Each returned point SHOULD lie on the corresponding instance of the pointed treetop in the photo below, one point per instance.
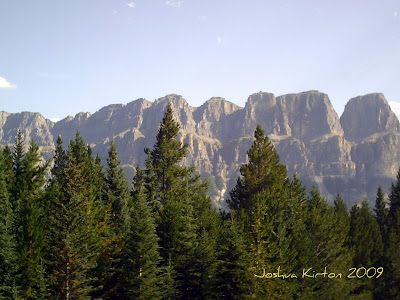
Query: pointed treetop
(262, 172)
(340, 205)
(168, 151)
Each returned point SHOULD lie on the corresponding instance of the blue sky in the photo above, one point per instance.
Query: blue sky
(63, 57)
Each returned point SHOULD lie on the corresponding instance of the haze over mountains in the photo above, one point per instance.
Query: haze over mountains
(351, 155)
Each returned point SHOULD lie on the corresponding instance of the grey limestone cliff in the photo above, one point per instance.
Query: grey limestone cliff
(351, 155)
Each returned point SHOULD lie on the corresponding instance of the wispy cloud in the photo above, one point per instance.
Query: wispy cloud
(395, 106)
(395, 14)
(131, 4)
(219, 40)
(4, 84)
(174, 3)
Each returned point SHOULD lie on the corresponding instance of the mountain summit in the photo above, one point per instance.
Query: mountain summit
(352, 155)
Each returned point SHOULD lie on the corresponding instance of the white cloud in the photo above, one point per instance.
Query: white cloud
(55, 120)
(396, 14)
(219, 40)
(395, 106)
(131, 4)
(4, 84)
(174, 3)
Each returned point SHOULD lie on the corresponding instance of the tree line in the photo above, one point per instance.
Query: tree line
(71, 230)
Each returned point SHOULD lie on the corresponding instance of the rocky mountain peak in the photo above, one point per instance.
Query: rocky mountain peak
(177, 101)
(306, 115)
(262, 108)
(366, 115)
(210, 118)
(182, 110)
(304, 127)
(213, 109)
(310, 115)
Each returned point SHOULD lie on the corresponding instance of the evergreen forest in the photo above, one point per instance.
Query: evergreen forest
(73, 229)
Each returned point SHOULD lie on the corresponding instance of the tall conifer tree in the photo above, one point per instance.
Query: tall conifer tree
(27, 195)
(381, 212)
(140, 273)
(179, 204)
(116, 200)
(8, 253)
(390, 286)
(118, 195)
(77, 238)
(270, 208)
(366, 242)
(261, 172)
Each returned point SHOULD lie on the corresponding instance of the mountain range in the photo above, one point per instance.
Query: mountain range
(351, 155)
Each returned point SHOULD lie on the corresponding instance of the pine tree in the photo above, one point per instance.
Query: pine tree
(17, 157)
(261, 172)
(76, 224)
(381, 212)
(140, 273)
(118, 195)
(270, 208)
(366, 241)
(27, 195)
(51, 208)
(394, 199)
(116, 200)
(389, 287)
(324, 245)
(8, 253)
(183, 213)
(60, 159)
(8, 167)
(162, 165)
(232, 276)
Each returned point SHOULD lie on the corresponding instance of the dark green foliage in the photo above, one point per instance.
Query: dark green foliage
(60, 159)
(184, 216)
(8, 166)
(366, 241)
(261, 172)
(232, 275)
(389, 286)
(394, 200)
(84, 235)
(27, 193)
(340, 208)
(117, 193)
(117, 200)
(327, 228)
(140, 274)
(381, 212)
(78, 222)
(270, 208)
(17, 156)
(8, 253)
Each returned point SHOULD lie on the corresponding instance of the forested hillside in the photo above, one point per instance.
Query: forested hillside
(71, 229)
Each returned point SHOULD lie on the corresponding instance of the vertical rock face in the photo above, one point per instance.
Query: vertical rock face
(32, 125)
(374, 130)
(264, 108)
(351, 155)
(367, 115)
(210, 118)
(310, 115)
